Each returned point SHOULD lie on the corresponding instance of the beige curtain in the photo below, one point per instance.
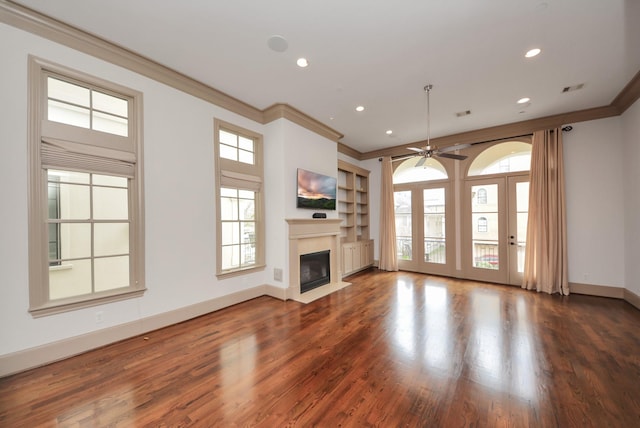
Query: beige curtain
(388, 254)
(545, 263)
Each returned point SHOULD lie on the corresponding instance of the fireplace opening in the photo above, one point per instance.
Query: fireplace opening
(314, 270)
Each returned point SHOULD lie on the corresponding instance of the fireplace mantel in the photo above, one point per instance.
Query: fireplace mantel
(308, 236)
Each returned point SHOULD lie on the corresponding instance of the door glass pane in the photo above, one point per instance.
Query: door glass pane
(484, 224)
(522, 216)
(434, 226)
(402, 205)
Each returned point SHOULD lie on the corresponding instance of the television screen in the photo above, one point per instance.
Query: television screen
(316, 191)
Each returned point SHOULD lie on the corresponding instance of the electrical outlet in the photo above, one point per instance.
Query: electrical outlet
(277, 274)
(99, 317)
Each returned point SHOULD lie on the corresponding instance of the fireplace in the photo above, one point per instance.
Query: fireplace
(315, 270)
(320, 239)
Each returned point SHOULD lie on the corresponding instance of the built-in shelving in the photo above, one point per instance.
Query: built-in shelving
(353, 210)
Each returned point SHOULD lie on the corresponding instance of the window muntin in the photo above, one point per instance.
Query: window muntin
(93, 225)
(237, 216)
(86, 191)
(73, 104)
(236, 147)
(240, 208)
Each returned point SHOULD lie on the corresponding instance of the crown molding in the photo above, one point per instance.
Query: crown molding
(499, 132)
(278, 111)
(29, 20)
(344, 149)
(629, 95)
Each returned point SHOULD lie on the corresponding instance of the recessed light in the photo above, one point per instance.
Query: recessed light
(524, 100)
(533, 52)
(360, 108)
(389, 132)
(302, 62)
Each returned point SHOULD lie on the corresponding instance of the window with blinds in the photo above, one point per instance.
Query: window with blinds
(240, 208)
(86, 204)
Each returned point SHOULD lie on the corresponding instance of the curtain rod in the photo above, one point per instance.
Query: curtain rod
(408, 155)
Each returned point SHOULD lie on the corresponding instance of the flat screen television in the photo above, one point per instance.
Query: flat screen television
(316, 191)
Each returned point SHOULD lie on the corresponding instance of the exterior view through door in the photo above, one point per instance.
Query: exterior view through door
(467, 218)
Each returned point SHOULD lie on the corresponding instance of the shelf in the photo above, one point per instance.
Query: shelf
(353, 201)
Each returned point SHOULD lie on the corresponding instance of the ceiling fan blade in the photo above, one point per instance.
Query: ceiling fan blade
(402, 157)
(421, 161)
(451, 156)
(415, 149)
(453, 148)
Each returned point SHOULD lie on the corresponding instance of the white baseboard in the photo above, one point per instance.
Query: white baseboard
(275, 292)
(632, 298)
(59, 350)
(596, 290)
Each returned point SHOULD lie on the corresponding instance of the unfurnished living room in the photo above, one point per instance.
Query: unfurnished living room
(320, 213)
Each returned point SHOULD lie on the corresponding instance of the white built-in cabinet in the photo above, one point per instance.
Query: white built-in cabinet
(353, 209)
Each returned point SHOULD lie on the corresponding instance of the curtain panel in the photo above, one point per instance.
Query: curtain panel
(388, 254)
(545, 265)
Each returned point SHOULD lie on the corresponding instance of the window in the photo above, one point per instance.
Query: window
(512, 156)
(85, 214)
(240, 207)
(483, 224)
(407, 172)
(482, 196)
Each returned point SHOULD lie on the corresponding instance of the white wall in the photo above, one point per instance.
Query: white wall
(631, 141)
(593, 158)
(180, 205)
(596, 229)
(179, 196)
(290, 147)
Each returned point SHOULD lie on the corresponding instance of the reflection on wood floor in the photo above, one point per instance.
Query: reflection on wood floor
(393, 349)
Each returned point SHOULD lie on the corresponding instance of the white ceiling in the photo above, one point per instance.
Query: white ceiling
(381, 53)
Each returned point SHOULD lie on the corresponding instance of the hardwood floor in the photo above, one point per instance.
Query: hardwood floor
(393, 349)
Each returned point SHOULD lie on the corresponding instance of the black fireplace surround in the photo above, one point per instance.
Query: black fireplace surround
(315, 270)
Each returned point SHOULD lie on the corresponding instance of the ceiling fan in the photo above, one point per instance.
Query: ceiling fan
(430, 151)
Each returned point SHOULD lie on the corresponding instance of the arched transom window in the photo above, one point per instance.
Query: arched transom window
(511, 156)
(408, 172)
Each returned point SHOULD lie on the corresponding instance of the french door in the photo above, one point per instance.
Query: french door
(495, 227)
(424, 228)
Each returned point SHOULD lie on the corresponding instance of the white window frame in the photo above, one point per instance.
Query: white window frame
(83, 143)
(240, 175)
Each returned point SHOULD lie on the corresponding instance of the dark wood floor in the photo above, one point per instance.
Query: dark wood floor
(393, 349)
